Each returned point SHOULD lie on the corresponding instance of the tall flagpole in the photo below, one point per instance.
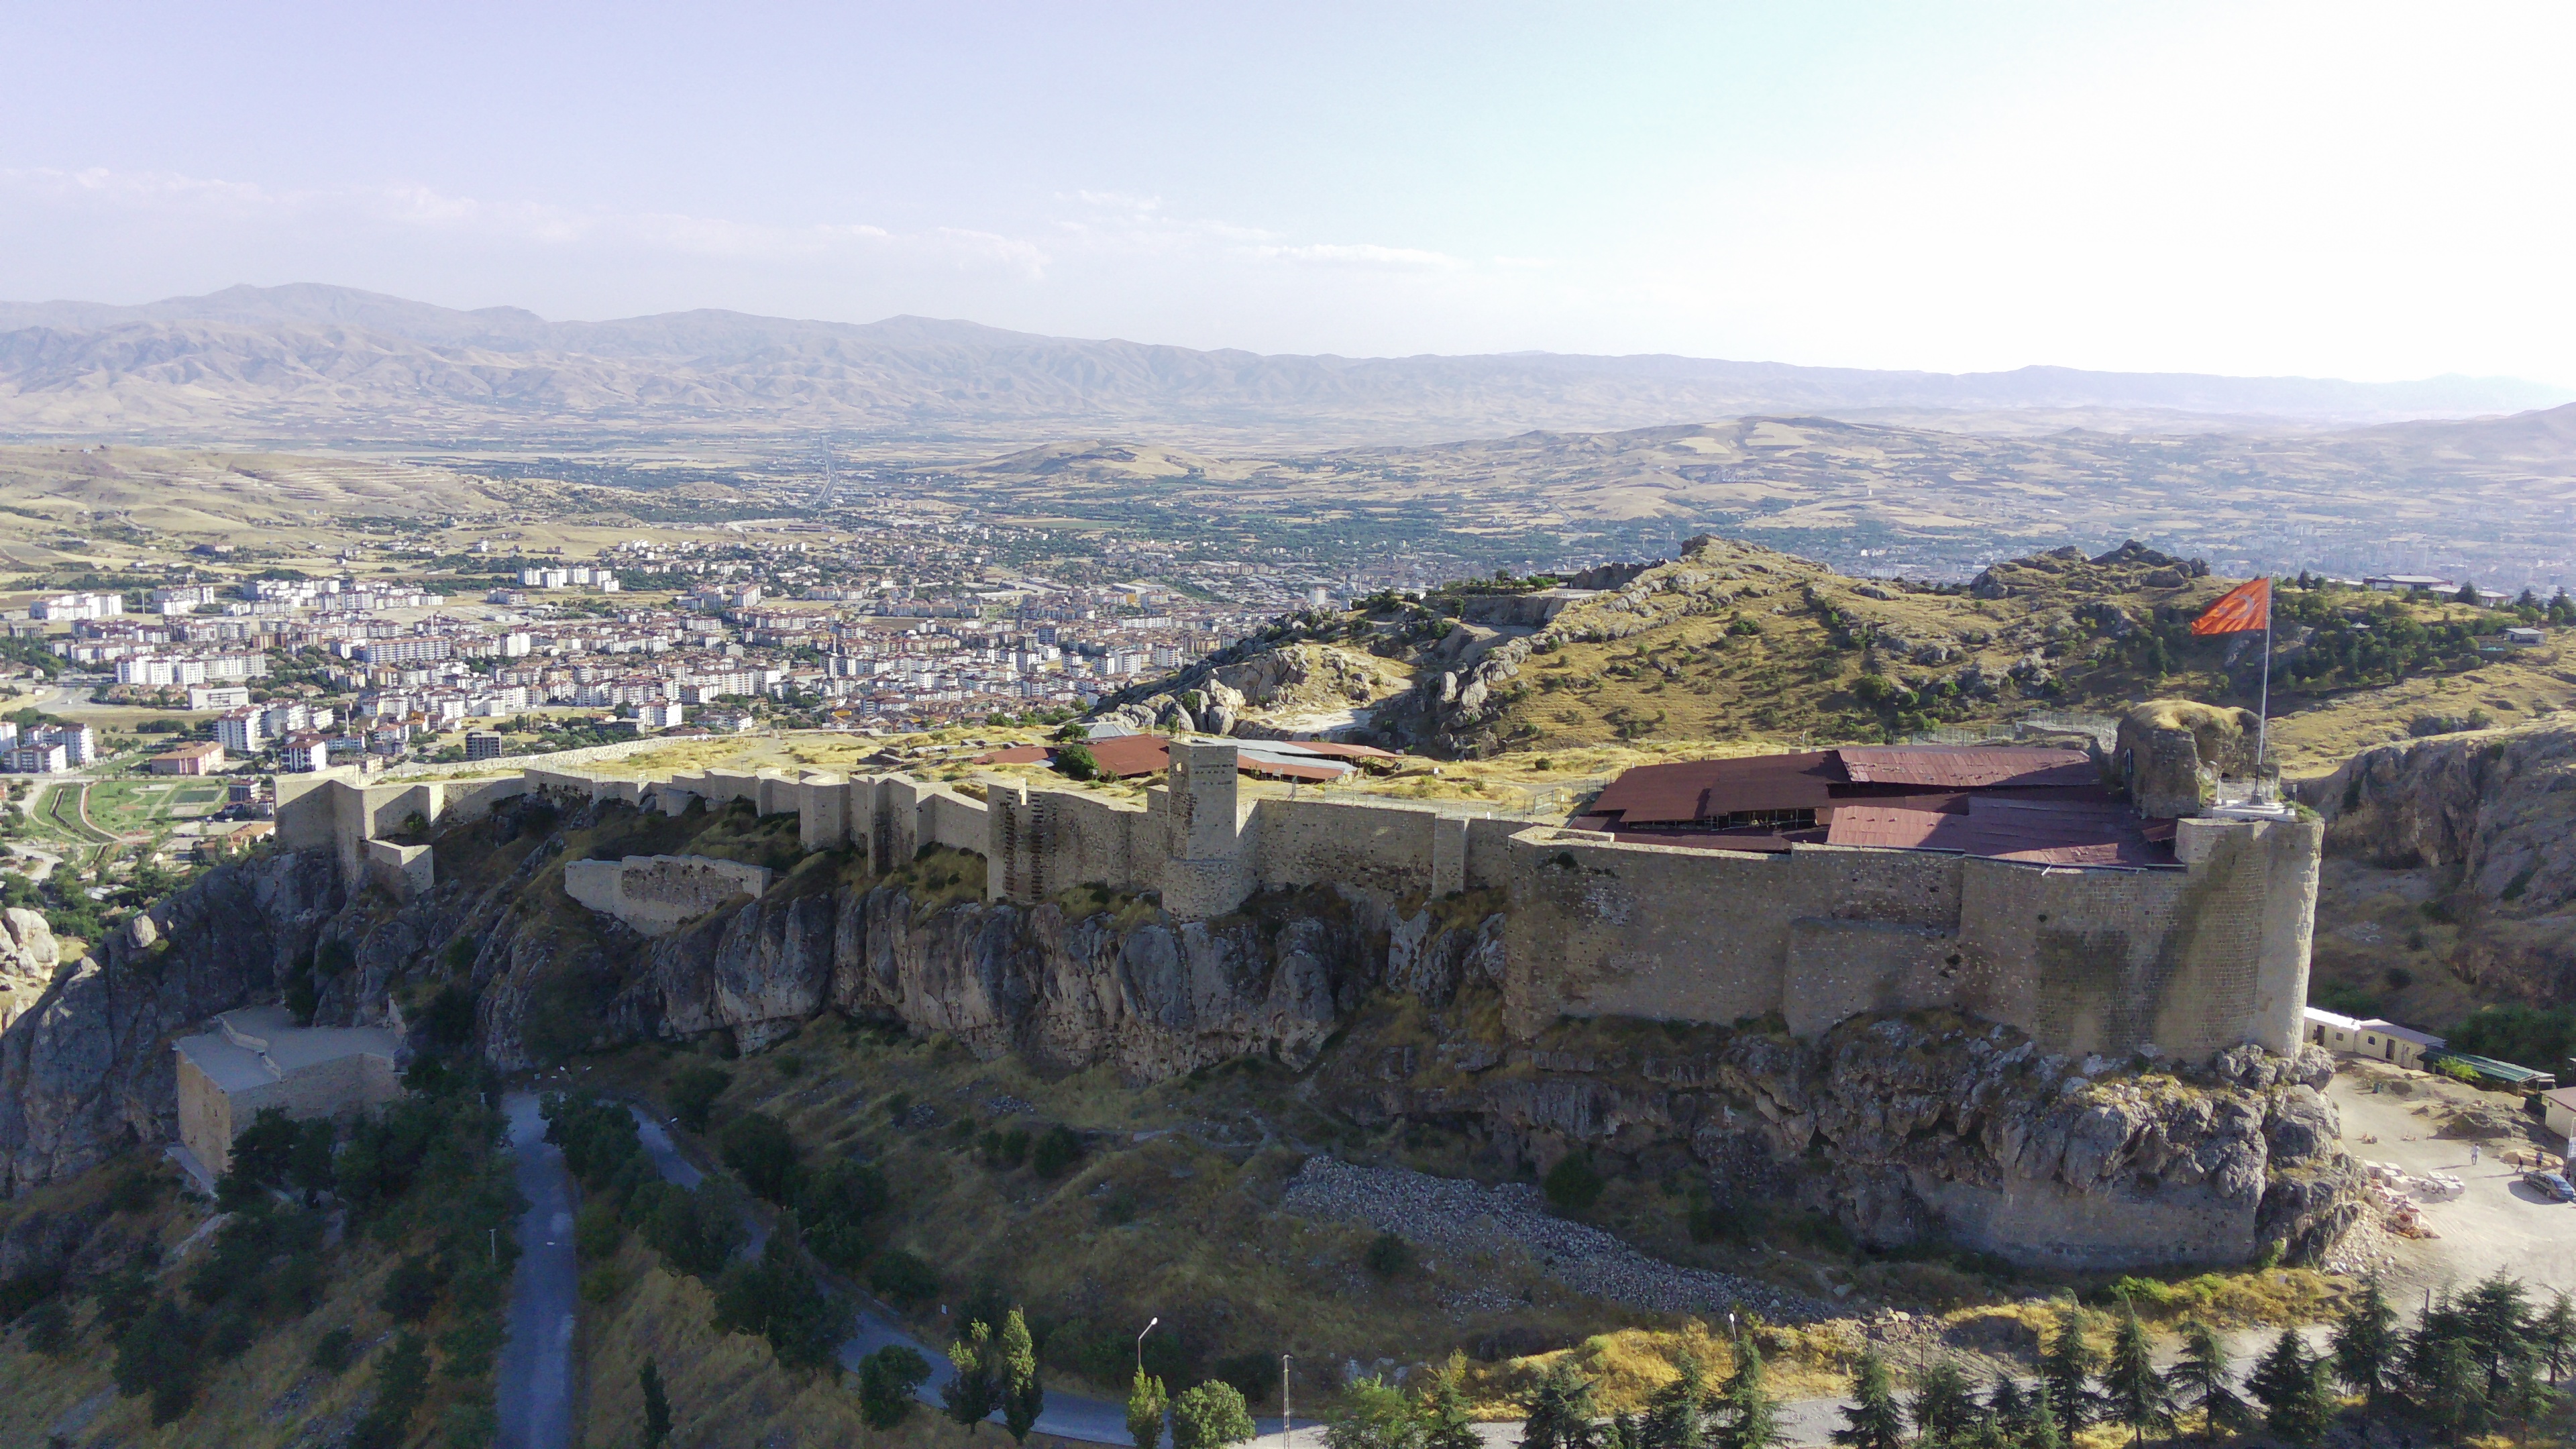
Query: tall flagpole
(2263, 710)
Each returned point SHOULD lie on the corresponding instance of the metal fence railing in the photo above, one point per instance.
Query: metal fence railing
(2103, 729)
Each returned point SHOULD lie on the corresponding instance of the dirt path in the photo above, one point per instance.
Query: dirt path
(2497, 1225)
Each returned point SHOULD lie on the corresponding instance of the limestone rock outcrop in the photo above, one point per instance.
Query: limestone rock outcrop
(2492, 815)
(1905, 1128)
(86, 1070)
(2171, 754)
(28, 959)
(1940, 1128)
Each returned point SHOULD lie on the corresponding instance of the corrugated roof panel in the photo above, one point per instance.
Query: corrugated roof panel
(1967, 767)
(1692, 789)
(2043, 832)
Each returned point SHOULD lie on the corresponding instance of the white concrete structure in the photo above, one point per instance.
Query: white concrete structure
(2380, 1040)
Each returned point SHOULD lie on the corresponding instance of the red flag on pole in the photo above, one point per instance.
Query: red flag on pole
(2243, 609)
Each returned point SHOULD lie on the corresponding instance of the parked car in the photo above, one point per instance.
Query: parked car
(2557, 1187)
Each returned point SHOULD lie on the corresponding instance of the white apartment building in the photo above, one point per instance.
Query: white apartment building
(78, 606)
(242, 731)
(39, 760)
(78, 742)
(217, 696)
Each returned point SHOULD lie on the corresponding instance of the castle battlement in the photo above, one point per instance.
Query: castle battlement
(2188, 959)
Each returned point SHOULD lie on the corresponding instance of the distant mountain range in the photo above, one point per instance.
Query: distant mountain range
(332, 364)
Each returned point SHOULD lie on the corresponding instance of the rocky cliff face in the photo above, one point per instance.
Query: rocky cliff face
(1903, 1128)
(86, 1070)
(28, 960)
(1928, 1127)
(2491, 817)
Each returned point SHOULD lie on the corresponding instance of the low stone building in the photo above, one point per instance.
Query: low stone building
(257, 1057)
(2348, 1036)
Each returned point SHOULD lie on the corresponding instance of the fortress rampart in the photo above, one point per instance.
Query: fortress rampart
(2189, 960)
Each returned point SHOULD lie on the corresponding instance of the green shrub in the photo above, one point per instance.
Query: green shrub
(760, 1148)
(887, 1379)
(1388, 1255)
(333, 1352)
(2541, 1038)
(902, 1278)
(694, 1089)
(1057, 1150)
(1210, 1416)
(1572, 1186)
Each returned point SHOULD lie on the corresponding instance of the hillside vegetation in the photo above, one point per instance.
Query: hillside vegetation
(1737, 643)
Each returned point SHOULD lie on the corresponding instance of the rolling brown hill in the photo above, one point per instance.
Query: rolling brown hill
(316, 362)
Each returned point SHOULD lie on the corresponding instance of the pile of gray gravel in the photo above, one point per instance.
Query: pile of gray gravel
(1457, 1220)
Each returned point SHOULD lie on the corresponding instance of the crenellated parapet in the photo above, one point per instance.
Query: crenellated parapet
(2186, 960)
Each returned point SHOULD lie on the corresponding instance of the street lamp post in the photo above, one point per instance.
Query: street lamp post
(1284, 1417)
(1140, 1343)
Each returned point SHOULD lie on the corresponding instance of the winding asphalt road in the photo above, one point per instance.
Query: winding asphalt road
(533, 1391)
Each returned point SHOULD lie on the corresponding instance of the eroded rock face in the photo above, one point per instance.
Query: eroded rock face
(86, 1071)
(1925, 1127)
(2492, 817)
(1942, 1128)
(28, 960)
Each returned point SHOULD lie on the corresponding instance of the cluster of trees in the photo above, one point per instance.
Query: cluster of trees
(2470, 1363)
(2539, 1037)
(995, 1371)
(425, 1172)
(827, 1212)
(1688, 1413)
(1209, 1416)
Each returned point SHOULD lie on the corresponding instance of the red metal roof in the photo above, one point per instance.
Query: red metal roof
(1967, 767)
(2043, 832)
(1127, 756)
(1692, 789)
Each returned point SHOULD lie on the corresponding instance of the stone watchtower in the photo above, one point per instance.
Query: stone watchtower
(1206, 873)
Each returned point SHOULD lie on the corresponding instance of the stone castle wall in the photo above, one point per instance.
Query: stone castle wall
(2186, 961)
(658, 894)
(2189, 961)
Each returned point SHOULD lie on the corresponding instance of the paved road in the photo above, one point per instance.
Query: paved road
(534, 1389)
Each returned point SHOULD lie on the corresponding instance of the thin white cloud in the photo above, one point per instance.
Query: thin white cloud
(426, 209)
(1363, 254)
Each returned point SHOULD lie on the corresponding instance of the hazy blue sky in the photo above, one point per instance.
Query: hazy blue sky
(2341, 189)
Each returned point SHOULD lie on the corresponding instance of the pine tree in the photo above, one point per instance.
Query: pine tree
(1676, 1414)
(2291, 1388)
(2497, 1319)
(1559, 1414)
(2442, 1372)
(2066, 1372)
(2554, 1334)
(1748, 1417)
(2365, 1344)
(1872, 1420)
(657, 1406)
(2006, 1406)
(2039, 1429)
(2201, 1380)
(1944, 1409)
(2527, 1395)
(1023, 1395)
(1146, 1402)
(2137, 1394)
